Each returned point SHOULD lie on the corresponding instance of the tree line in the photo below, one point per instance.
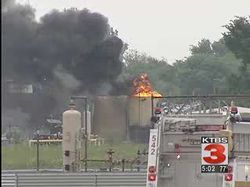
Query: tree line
(219, 67)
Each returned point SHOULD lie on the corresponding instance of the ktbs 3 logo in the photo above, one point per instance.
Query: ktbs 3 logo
(214, 150)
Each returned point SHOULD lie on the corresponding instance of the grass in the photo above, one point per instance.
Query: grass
(21, 156)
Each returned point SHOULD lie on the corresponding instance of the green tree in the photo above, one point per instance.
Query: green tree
(211, 68)
(237, 38)
(203, 47)
(219, 48)
(207, 70)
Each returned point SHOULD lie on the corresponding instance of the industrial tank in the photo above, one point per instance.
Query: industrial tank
(140, 110)
(71, 132)
(110, 117)
(139, 117)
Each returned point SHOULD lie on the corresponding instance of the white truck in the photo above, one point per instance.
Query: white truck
(174, 156)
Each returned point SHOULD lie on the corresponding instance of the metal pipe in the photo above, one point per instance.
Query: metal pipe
(86, 134)
(139, 102)
(37, 150)
(86, 128)
(123, 165)
(219, 107)
(152, 105)
(95, 160)
(138, 162)
(95, 180)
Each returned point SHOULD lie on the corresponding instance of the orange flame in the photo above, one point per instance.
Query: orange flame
(143, 87)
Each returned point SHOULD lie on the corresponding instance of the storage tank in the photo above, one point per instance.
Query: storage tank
(139, 117)
(71, 140)
(110, 117)
(140, 110)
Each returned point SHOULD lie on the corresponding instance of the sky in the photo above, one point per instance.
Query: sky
(160, 28)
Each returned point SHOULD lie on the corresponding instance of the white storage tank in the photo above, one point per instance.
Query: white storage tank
(71, 140)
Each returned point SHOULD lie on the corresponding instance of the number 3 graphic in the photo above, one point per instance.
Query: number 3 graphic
(218, 153)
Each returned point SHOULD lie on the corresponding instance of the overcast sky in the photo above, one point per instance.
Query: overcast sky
(161, 28)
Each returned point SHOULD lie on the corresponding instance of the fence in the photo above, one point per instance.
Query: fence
(74, 179)
(8, 180)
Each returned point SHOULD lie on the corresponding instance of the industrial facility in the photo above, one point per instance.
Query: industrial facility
(180, 127)
(113, 118)
(105, 93)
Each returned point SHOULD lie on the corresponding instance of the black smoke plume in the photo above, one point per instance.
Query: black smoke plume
(69, 52)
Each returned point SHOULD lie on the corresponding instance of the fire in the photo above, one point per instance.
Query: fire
(143, 87)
